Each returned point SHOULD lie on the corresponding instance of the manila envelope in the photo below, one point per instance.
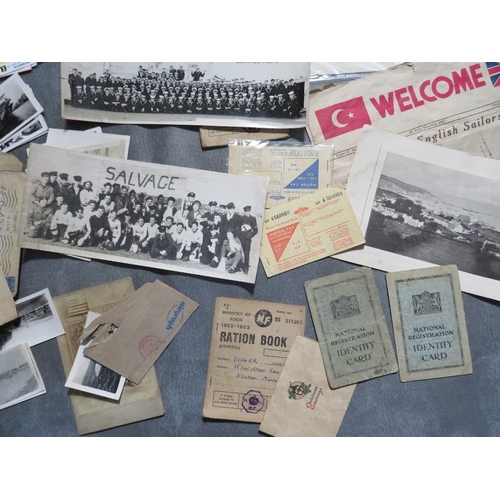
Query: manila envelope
(8, 310)
(212, 137)
(12, 181)
(92, 413)
(308, 229)
(303, 405)
(129, 338)
(250, 342)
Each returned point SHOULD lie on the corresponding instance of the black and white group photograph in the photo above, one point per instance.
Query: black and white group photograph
(37, 322)
(222, 94)
(151, 215)
(18, 107)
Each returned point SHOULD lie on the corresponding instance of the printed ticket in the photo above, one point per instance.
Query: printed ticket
(293, 171)
(308, 229)
(250, 343)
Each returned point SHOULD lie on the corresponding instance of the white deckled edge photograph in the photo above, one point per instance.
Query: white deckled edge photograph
(37, 321)
(20, 378)
(88, 376)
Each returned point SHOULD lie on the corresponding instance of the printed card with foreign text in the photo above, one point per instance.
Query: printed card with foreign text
(429, 323)
(293, 171)
(302, 404)
(308, 229)
(250, 342)
(351, 327)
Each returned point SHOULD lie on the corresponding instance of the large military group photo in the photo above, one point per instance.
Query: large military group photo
(185, 91)
(200, 231)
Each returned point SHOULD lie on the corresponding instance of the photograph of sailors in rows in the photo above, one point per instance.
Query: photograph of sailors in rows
(172, 91)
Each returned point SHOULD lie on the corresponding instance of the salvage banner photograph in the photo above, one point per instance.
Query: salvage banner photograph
(160, 216)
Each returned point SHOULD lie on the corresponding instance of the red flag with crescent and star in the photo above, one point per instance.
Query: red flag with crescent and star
(343, 117)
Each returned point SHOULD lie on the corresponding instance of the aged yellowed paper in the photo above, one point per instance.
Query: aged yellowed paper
(93, 414)
(434, 102)
(11, 200)
(308, 229)
(293, 171)
(8, 311)
(302, 403)
(212, 137)
(143, 325)
(250, 343)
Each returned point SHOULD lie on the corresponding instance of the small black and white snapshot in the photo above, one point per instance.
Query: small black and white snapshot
(37, 322)
(19, 376)
(88, 376)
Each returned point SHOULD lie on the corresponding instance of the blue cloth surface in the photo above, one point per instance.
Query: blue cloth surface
(457, 406)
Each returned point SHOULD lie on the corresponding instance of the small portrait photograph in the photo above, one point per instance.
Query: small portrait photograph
(88, 376)
(37, 322)
(19, 376)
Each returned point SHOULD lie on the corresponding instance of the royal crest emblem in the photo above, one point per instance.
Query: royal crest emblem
(426, 303)
(345, 307)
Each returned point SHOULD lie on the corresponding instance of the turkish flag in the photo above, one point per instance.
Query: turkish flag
(343, 117)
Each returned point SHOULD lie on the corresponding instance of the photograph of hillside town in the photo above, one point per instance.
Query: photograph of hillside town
(418, 212)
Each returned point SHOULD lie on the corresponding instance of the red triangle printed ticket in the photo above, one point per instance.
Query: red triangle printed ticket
(280, 238)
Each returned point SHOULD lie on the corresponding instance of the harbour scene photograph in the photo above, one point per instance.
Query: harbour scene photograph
(437, 215)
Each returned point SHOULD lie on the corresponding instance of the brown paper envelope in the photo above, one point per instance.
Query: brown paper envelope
(12, 182)
(146, 323)
(93, 414)
(9, 163)
(303, 403)
(115, 315)
(8, 311)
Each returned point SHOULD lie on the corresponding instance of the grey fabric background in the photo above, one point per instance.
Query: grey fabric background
(458, 406)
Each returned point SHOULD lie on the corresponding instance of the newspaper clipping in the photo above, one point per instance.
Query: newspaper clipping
(431, 102)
